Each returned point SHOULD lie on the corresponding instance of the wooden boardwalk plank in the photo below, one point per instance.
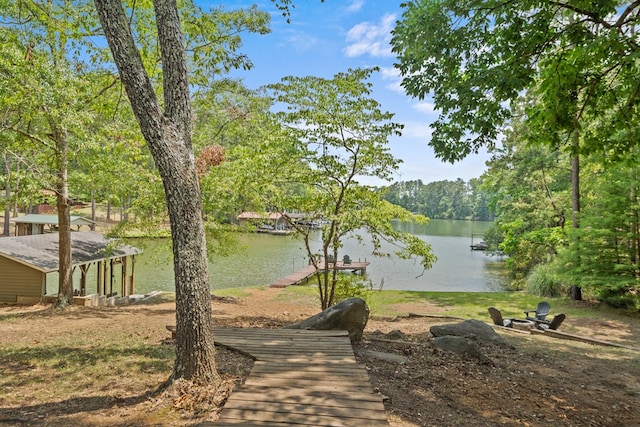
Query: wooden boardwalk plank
(328, 386)
(303, 378)
(317, 372)
(309, 397)
(345, 411)
(307, 368)
(279, 333)
(314, 417)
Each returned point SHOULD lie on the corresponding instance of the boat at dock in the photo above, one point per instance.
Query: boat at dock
(480, 246)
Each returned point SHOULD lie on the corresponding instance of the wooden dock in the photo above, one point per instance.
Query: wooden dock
(304, 274)
(300, 377)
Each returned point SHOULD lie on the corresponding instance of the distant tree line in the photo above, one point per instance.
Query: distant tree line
(442, 199)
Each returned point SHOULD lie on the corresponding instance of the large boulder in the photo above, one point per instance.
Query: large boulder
(465, 337)
(349, 315)
(474, 329)
(460, 345)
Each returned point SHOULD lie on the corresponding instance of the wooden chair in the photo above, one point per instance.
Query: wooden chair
(346, 260)
(496, 316)
(541, 312)
(553, 324)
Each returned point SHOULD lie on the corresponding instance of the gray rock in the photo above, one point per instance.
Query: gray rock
(474, 329)
(387, 357)
(349, 315)
(460, 345)
(396, 335)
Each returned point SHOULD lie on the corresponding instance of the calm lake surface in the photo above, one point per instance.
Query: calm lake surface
(268, 257)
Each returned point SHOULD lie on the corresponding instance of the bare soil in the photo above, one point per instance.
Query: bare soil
(538, 381)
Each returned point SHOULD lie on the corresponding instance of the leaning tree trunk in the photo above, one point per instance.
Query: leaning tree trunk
(194, 328)
(168, 135)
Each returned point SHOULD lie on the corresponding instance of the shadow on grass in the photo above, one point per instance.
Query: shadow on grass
(79, 312)
(37, 414)
(70, 367)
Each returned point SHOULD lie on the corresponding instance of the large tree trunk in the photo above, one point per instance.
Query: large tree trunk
(168, 136)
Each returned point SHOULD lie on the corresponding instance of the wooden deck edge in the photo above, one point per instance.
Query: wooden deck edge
(507, 329)
(573, 337)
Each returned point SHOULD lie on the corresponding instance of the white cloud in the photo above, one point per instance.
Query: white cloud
(392, 76)
(425, 107)
(395, 86)
(418, 130)
(371, 39)
(300, 41)
(390, 73)
(354, 6)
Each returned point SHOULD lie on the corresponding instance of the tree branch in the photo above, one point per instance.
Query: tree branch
(132, 72)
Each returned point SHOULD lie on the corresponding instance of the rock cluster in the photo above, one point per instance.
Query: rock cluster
(350, 315)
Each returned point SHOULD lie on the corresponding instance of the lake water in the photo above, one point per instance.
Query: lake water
(268, 257)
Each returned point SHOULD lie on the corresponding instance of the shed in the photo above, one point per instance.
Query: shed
(270, 220)
(25, 262)
(38, 224)
(252, 217)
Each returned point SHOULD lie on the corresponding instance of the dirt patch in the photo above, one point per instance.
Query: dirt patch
(536, 381)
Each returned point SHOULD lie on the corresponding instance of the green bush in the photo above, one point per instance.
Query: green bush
(544, 281)
(351, 286)
(617, 299)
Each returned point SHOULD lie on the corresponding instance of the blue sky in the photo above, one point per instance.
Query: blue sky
(323, 39)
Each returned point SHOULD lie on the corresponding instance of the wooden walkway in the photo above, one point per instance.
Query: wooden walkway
(300, 377)
(303, 275)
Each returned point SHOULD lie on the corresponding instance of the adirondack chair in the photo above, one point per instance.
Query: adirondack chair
(541, 312)
(346, 260)
(553, 324)
(540, 317)
(496, 316)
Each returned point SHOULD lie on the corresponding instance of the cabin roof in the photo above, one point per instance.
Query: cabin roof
(257, 215)
(270, 215)
(40, 251)
(50, 219)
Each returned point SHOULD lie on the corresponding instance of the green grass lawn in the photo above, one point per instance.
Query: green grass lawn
(466, 305)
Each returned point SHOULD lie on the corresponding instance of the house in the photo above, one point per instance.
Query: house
(28, 225)
(25, 262)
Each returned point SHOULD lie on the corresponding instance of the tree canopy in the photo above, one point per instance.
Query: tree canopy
(341, 136)
(475, 58)
(311, 156)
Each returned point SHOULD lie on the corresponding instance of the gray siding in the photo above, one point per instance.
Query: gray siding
(18, 279)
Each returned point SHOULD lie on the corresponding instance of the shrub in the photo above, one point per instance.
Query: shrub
(350, 286)
(617, 299)
(544, 281)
